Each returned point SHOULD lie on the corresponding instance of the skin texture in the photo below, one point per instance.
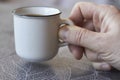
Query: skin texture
(96, 34)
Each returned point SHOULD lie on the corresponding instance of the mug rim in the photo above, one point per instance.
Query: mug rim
(25, 16)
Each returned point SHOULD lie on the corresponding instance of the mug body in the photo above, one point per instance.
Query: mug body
(36, 37)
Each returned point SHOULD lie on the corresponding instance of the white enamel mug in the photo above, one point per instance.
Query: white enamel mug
(36, 32)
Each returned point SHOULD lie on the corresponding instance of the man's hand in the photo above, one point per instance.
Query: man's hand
(96, 33)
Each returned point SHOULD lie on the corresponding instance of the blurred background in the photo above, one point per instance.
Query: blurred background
(64, 5)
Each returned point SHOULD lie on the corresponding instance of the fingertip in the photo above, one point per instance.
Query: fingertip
(102, 66)
(77, 55)
(106, 67)
(77, 51)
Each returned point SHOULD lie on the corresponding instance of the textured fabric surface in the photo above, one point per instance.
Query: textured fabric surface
(62, 67)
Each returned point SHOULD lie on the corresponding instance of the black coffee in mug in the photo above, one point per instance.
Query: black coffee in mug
(33, 15)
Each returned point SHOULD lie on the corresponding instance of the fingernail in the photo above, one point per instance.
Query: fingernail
(63, 33)
(105, 67)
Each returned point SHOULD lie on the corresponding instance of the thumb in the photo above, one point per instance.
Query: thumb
(82, 37)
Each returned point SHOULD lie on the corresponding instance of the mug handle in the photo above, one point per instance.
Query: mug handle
(62, 24)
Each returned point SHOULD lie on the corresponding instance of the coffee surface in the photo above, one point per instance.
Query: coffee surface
(33, 15)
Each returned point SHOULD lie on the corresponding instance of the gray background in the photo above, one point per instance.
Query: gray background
(62, 67)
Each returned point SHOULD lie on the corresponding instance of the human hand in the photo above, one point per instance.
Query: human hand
(96, 33)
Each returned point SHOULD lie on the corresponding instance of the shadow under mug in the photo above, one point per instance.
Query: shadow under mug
(36, 32)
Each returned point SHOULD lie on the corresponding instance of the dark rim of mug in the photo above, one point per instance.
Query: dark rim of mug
(14, 12)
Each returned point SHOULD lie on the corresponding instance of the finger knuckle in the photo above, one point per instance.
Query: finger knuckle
(91, 58)
(95, 58)
(84, 3)
(74, 36)
(113, 7)
(80, 35)
(109, 8)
